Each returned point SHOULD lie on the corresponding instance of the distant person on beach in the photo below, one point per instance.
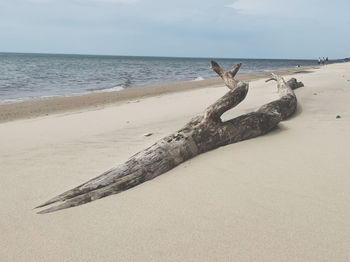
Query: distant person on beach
(319, 60)
(323, 60)
(326, 59)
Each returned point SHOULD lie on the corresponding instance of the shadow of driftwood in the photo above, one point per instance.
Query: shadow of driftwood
(277, 130)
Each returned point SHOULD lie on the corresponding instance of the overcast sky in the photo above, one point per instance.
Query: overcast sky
(197, 28)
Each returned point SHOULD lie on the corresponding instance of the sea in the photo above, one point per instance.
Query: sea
(38, 76)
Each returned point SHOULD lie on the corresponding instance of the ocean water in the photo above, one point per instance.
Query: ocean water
(35, 76)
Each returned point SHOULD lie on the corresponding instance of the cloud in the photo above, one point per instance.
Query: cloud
(84, 1)
(42, 1)
(114, 1)
(245, 28)
(270, 7)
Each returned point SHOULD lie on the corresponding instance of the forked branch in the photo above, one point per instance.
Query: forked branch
(201, 134)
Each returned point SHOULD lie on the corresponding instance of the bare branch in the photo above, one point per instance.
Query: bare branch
(200, 135)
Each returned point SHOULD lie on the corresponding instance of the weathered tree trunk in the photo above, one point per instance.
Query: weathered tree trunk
(201, 134)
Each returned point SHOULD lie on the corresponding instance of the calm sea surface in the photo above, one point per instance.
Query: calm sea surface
(32, 76)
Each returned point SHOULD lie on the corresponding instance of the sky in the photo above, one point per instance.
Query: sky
(198, 28)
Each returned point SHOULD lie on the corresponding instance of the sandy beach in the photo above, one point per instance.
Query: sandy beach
(283, 196)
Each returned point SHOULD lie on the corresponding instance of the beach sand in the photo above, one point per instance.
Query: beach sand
(283, 196)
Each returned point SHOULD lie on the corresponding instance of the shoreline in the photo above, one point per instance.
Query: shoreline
(62, 104)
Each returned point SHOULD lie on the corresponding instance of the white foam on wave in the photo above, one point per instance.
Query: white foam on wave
(112, 89)
(12, 101)
(105, 89)
(31, 98)
(199, 78)
(22, 99)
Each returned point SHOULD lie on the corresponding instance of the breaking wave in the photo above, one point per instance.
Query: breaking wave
(199, 78)
(118, 87)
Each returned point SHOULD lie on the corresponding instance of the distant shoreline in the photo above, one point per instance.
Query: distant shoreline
(61, 104)
(150, 56)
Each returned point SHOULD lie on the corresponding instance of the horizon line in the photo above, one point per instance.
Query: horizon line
(159, 56)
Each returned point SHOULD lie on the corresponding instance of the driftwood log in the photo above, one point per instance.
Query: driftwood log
(201, 134)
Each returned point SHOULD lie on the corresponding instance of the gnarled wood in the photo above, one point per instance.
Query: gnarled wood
(201, 134)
